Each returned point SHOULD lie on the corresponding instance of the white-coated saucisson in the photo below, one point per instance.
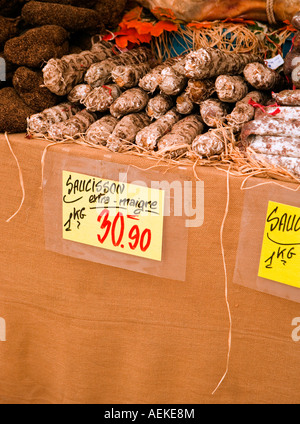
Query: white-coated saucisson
(41, 122)
(184, 104)
(101, 98)
(99, 132)
(243, 111)
(263, 78)
(171, 82)
(159, 106)
(73, 127)
(290, 164)
(209, 63)
(200, 90)
(151, 80)
(101, 73)
(148, 137)
(213, 112)
(278, 146)
(183, 133)
(287, 98)
(231, 89)
(279, 112)
(126, 130)
(211, 143)
(270, 127)
(79, 93)
(130, 75)
(131, 101)
(61, 75)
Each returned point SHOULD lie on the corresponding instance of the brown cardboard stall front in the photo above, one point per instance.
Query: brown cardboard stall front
(82, 332)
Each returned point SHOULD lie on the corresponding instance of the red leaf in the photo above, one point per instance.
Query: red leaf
(239, 21)
(133, 14)
(164, 13)
(144, 38)
(141, 27)
(200, 25)
(162, 26)
(288, 26)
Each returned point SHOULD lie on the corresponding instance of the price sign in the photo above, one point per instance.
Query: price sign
(113, 215)
(280, 256)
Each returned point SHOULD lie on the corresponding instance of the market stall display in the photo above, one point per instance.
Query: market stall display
(100, 96)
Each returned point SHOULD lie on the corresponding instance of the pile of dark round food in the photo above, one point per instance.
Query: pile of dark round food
(37, 45)
(69, 17)
(30, 87)
(31, 33)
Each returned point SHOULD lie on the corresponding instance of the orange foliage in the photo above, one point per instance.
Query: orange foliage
(135, 30)
(164, 13)
(200, 25)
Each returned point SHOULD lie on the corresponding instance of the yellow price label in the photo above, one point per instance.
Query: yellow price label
(113, 215)
(280, 256)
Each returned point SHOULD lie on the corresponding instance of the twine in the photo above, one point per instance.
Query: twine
(226, 282)
(20, 177)
(270, 12)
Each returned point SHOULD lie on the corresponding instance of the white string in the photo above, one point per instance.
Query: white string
(226, 283)
(20, 177)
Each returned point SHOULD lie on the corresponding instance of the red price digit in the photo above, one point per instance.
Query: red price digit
(145, 236)
(118, 217)
(105, 224)
(134, 235)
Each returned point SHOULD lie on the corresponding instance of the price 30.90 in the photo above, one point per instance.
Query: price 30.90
(115, 227)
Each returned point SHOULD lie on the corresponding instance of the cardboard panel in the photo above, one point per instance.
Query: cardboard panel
(83, 332)
(251, 239)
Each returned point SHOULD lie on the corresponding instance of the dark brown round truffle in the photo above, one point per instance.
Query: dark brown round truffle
(78, 3)
(69, 17)
(8, 29)
(110, 11)
(30, 87)
(11, 8)
(37, 45)
(13, 111)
